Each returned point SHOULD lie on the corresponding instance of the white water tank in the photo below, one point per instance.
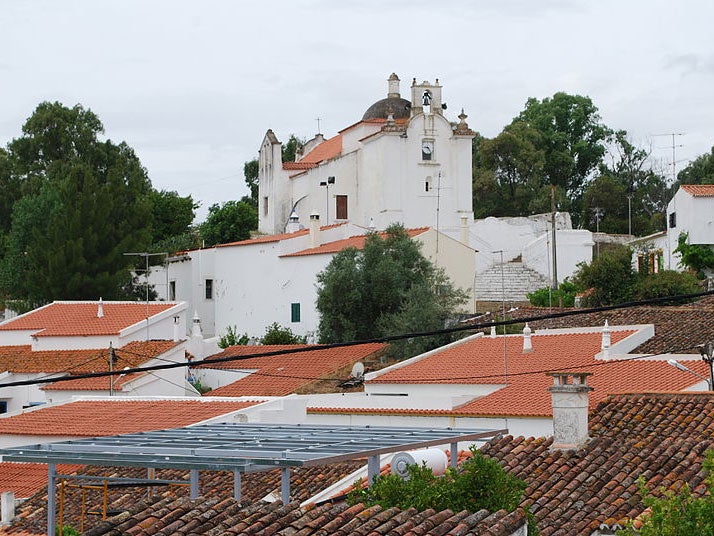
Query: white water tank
(435, 459)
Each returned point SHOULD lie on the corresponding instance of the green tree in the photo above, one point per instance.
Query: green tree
(678, 514)
(698, 171)
(609, 279)
(277, 334)
(172, 215)
(230, 222)
(697, 257)
(508, 172)
(572, 138)
(84, 202)
(250, 174)
(388, 287)
(232, 338)
(291, 148)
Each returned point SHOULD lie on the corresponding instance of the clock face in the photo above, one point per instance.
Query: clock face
(427, 149)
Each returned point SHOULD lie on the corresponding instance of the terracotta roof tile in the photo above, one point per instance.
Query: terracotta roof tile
(26, 479)
(481, 361)
(325, 151)
(22, 359)
(668, 321)
(699, 190)
(281, 375)
(276, 237)
(80, 318)
(352, 242)
(661, 437)
(98, 418)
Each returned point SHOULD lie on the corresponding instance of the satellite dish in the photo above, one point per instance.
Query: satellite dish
(357, 370)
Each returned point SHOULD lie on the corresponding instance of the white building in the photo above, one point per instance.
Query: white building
(253, 283)
(690, 211)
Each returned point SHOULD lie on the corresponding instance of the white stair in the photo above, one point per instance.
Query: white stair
(517, 282)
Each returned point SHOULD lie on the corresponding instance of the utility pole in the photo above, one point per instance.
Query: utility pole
(597, 214)
(112, 362)
(552, 221)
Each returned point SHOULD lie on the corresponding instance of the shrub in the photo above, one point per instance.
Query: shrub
(231, 338)
(611, 277)
(277, 334)
(545, 297)
(666, 283)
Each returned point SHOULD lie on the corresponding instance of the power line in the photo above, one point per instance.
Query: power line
(472, 327)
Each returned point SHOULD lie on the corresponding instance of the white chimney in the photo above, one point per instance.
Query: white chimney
(605, 346)
(527, 343)
(196, 326)
(100, 309)
(465, 230)
(177, 328)
(570, 395)
(7, 507)
(372, 227)
(293, 223)
(314, 229)
(493, 332)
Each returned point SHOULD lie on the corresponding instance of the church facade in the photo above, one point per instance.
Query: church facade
(404, 162)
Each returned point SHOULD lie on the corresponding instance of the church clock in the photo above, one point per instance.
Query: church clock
(427, 149)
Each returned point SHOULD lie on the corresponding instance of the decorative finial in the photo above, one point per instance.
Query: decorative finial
(100, 309)
(527, 344)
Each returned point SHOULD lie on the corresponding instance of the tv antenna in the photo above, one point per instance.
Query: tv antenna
(674, 151)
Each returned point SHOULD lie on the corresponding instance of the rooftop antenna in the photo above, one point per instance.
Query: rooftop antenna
(357, 371)
(674, 151)
(318, 124)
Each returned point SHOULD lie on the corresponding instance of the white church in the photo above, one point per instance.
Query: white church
(403, 162)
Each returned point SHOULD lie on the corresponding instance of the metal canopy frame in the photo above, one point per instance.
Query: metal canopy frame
(241, 448)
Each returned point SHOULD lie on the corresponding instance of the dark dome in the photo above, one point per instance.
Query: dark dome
(398, 107)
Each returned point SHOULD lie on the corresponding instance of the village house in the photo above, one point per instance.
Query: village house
(63, 339)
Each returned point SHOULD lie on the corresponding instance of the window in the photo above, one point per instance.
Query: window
(427, 184)
(294, 312)
(172, 290)
(673, 220)
(265, 206)
(3, 406)
(209, 289)
(341, 202)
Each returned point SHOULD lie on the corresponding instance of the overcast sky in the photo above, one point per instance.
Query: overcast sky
(193, 86)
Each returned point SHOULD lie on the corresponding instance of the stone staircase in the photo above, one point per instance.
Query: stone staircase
(517, 282)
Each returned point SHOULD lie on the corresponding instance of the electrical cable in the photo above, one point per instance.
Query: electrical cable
(472, 327)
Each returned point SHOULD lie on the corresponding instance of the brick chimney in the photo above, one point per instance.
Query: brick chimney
(570, 394)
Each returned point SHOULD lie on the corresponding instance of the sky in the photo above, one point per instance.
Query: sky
(194, 86)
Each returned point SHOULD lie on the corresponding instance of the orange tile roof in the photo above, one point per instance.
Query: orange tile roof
(94, 418)
(351, 242)
(80, 318)
(699, 190)
(281, 375)
(298, 165)
(25, 479)
(326, 150)
(22, 359)
(481, 361)
(93, 384)
(276, 237)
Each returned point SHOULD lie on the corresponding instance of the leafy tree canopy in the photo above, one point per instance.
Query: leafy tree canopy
(388, 287)
(609, 278)
(230, 222)
(699, 171)
(250, 174)
(79, 203)
(696, 257)
(172, 215)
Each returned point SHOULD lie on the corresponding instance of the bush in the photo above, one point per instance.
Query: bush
(666, 283)
(610, 276)
(277, 334)
(480, 483)
(231, 338)
(545, 297)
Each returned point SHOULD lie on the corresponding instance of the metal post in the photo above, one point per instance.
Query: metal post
(372, 468)
(193, 481)
(285, 485)
(51, 490)
(552, 219)
(454, 455)
(236, 485)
